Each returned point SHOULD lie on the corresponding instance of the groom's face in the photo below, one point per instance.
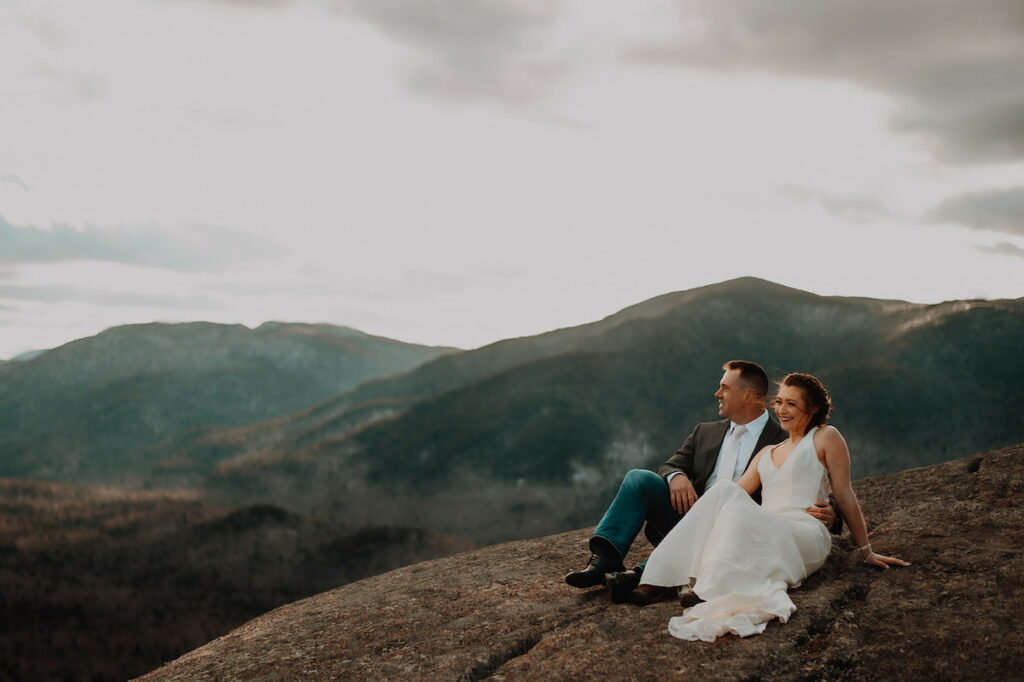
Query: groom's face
(730, 395)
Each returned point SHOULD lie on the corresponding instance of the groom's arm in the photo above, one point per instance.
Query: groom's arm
(837, 526)
(828, 513)
(682, 460)
(678, 472)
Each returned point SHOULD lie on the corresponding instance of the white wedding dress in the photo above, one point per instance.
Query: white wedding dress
(741, 557)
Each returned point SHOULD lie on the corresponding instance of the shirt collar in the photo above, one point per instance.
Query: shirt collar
(755, 426)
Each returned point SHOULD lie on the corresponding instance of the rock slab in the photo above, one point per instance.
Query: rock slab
(503, 612)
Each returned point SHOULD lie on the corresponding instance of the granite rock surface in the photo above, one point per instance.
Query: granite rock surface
(504, 612)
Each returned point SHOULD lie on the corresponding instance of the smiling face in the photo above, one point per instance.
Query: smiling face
(733, 398)
(792, 409)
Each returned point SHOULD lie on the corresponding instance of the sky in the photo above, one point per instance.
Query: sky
(456, 172)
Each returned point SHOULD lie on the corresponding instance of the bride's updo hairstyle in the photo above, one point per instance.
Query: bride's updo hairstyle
(815, 396)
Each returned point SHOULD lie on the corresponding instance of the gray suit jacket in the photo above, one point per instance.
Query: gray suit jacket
(698, 455)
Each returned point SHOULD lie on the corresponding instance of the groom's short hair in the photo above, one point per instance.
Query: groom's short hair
(752, 375)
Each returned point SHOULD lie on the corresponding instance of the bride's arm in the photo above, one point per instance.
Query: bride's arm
(751, 480)
(837, 461)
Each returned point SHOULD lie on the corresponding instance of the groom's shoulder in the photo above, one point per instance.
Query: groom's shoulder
(706, 427)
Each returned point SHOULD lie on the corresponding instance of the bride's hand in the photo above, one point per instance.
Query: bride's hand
(881, 560)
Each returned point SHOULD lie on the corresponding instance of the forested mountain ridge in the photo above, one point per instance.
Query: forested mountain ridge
(104, 584)
(532, 435)
(520, 438)
(87, 411)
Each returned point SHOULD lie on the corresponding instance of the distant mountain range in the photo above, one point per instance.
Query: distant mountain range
(526, 436)
(28, 355)
(88, 411)
(532, 435)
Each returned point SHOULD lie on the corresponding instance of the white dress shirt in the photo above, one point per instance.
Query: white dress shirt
(747, 442)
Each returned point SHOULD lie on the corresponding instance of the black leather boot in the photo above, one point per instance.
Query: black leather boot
(601, 563)
(621, 583)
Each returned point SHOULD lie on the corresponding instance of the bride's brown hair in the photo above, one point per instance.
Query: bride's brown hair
(815, 395)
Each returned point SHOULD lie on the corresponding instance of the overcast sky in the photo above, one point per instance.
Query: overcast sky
(461, 171)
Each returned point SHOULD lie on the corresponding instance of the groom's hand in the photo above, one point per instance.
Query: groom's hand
(681, 492)
(824, 512)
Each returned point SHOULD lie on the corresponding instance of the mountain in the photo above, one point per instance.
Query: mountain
(531, 436)
(102, 584)
(28, 355)
(503, 612)
(88, 410)
(521, 438)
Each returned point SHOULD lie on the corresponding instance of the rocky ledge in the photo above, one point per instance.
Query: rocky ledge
(503, 612)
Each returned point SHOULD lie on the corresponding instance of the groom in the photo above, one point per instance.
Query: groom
(714, 451)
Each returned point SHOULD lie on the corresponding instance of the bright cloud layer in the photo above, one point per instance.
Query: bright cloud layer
(456, 172)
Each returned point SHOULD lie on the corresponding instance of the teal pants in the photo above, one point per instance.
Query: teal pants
(642, 498)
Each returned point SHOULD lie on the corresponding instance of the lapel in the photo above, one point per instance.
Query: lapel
(771, 434)
(707, 455)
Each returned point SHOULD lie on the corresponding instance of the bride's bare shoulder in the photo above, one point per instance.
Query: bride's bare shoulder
(826, 435)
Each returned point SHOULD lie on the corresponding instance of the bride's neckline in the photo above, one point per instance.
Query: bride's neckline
(796, 444)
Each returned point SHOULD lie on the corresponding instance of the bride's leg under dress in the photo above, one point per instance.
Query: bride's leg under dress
(738, 556)
(702, 532)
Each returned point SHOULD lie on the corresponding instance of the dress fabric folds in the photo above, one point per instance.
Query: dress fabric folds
(741, 557)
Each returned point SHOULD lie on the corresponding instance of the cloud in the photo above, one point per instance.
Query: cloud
(498, 50)
(184, 249)
(1002, 249)
(956, 68)
(468, 49)
(63, 293)
(855, 208)
(14, 180)
(1000, 210)
(249, 4)
(992, 132)
(67, 85)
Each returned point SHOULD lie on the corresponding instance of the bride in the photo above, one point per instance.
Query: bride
(738, 558)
